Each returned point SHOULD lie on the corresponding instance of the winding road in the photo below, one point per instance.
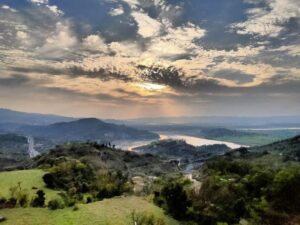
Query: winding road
(31, 151)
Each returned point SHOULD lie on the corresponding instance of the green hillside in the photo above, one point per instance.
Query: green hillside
(28, 179)
(116, 211)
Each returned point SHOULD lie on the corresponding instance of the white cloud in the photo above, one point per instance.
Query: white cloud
(126, 49)
(293, 50)
(59, 42)
(176, 42)
(147, 26)
(117, 11)
(7, 7)
(21, 35)
(39, 1)
(269, 21)
(132, 3)
(55, 10)
(95, 43)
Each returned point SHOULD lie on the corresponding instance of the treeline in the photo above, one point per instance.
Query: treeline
(232, 192)
(78, 178)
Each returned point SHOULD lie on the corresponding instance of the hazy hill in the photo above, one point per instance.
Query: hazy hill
(220, 121)
(10, 117)
(180, 149)
(87, 129)
(13, 146)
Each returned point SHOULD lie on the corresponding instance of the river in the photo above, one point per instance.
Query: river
(196, 141)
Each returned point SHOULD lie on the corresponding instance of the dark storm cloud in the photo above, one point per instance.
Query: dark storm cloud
(77, 71)
(170, 76)
(100, 73)
(176, 79)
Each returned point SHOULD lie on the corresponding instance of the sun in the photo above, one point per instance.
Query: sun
(152, 87)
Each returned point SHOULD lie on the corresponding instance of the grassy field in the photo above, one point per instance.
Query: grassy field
(116, 211)
(251, 140)
(261, 137)
(28, 179)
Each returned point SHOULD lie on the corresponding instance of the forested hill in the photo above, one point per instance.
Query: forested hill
(281, 151)
(257, 186)
(105, 157)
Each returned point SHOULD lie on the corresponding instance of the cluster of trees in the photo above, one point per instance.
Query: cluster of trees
(234, 191)
(78, 178)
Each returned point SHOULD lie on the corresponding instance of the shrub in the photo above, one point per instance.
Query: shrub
(55, 204)
(68, 200)
(89, 200)
(143, 218)
(11, 203)
(39, 200)
(173, 198)
(21, 195)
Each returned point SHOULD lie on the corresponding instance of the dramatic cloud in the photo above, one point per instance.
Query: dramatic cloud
(134, 56)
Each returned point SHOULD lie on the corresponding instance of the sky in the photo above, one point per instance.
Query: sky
(150, 58)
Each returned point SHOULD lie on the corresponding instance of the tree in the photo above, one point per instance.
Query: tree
(175, 200)
(39, 200)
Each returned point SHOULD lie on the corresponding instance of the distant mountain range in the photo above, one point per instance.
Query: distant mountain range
(86, 129)
(219, 121)
(15, 118)
(53, 129)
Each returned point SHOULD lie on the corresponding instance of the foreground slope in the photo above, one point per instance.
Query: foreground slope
(30, 180)
(116, 211)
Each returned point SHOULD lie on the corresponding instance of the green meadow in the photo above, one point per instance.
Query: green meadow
(31, 180)
(116, 211)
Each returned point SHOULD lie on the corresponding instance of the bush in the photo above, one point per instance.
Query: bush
(110, 184)
(89, 200)
(55, 204)
(68, 200)
(146, 219)
(10, 203)
(173, 198)
(21, 195)
(39, 200)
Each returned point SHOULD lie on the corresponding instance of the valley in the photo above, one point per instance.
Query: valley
(69, 172)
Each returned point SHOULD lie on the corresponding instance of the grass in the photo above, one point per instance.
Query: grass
(261, 137)
(28, 179)
(116, 211)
